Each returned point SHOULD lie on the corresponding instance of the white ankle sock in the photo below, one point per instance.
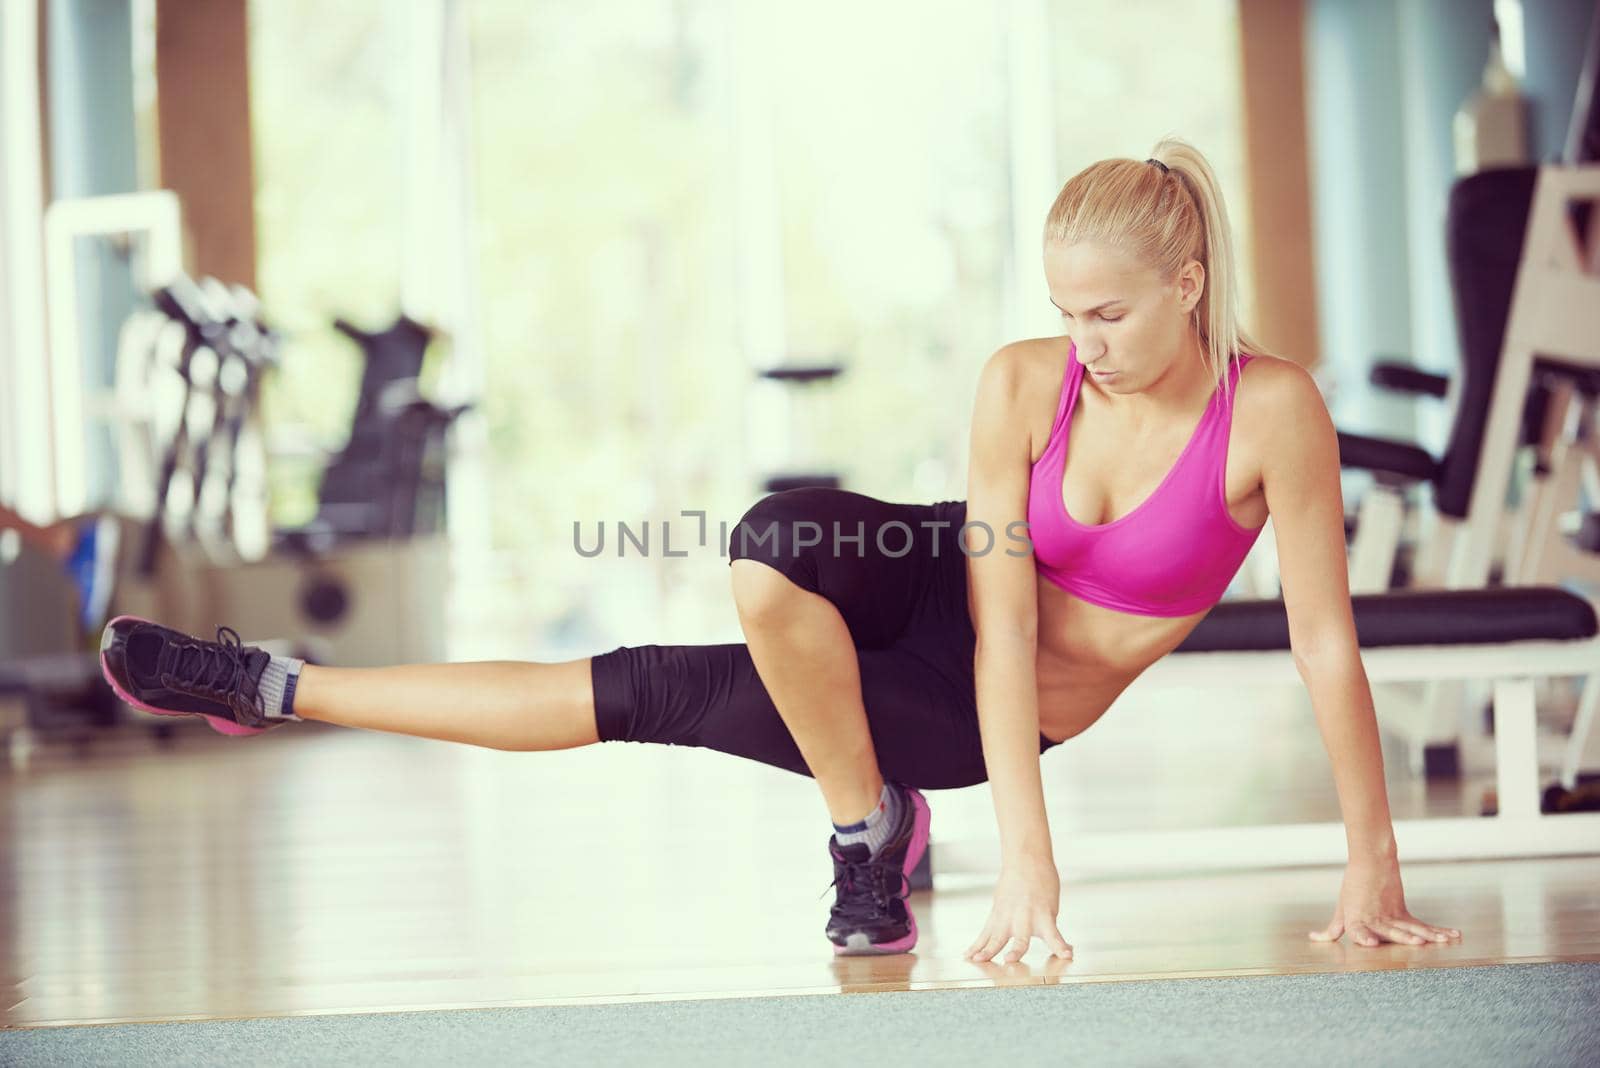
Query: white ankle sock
(278, 682)
(880, 822)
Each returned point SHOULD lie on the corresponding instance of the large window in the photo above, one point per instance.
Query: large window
(326, 122)
(616, 226)
(894, 181)
(668, 196)
(616, 390)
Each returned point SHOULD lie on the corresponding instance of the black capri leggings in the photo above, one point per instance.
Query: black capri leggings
(897, 574)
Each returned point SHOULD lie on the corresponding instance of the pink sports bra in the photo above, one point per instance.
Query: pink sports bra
(1175, 553)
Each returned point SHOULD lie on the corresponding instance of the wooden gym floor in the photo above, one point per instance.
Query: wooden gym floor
(318, 870)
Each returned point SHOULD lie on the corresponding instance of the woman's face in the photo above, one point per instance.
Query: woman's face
(1129, 326)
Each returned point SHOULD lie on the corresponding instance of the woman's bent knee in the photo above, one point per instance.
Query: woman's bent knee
(762, 590)
(784, 531)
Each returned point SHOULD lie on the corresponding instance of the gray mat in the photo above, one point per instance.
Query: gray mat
(1517, 1014)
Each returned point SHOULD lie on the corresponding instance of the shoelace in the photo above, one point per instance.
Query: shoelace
(868, 886)
(212, 669)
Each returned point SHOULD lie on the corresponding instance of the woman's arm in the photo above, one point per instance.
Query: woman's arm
(1000, 572)
(1005, 607)
(1300, 477)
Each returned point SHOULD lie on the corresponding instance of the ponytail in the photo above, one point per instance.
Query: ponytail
(1164, 212)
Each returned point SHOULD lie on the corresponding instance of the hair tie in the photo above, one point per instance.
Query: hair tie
(1158, 163)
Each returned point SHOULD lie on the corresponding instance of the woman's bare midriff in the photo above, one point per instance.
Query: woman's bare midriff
(1087, 655)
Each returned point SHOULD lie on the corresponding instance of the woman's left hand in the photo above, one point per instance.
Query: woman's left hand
(1372, 907)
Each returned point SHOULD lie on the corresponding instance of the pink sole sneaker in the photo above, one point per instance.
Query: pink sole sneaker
(112, 641)
(859, 943)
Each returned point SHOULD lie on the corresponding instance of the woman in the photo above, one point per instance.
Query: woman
(894, 647)
(85, 547)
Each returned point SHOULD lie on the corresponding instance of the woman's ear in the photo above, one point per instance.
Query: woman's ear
(1191, 285)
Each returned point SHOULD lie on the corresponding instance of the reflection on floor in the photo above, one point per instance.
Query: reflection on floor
(319, 870)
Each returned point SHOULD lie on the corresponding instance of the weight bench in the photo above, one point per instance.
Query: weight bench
(1510, 636)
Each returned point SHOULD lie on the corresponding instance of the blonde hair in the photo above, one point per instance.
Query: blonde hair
(1163, 218)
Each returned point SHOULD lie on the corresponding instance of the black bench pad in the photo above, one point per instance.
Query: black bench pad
(1411, 617)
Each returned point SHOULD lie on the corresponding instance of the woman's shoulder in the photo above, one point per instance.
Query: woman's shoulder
(1032, 370)
(1033, 350)
(1273, 383)
(1276, 401)
(1038, 360)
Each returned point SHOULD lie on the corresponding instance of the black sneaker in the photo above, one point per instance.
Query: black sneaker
(170, 673)
(870, 914)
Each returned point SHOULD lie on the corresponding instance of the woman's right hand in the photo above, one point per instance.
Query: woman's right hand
(1027, 898)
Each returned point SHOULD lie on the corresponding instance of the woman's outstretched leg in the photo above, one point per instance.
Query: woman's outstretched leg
(242, 689)
(499, 704)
